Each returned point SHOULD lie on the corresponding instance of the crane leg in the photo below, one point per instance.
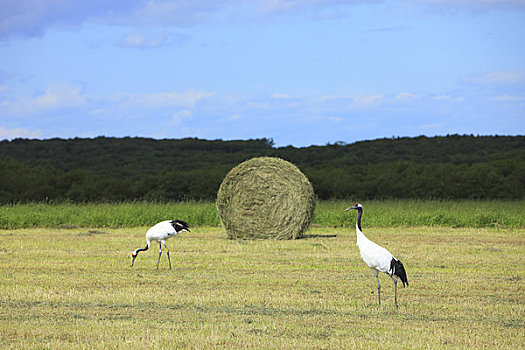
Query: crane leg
(160, 253)
(395, 289)
(378, 288)
(168, 252)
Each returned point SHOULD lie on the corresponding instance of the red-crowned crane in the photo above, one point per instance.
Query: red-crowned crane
(160, 233)
(378, 258)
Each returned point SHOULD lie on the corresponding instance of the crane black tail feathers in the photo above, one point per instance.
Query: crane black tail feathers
(397, 268)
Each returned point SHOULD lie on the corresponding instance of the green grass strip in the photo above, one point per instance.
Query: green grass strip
(476, 214)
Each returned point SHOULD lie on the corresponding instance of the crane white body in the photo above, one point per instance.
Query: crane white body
(375, 256)
(378, 258)
(160, 233)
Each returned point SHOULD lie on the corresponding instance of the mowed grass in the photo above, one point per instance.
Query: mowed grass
(75, 289)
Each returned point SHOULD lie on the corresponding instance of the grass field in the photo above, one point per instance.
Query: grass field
(73, 288)
(478, 214)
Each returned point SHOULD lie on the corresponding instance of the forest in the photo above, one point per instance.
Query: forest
(134, 169)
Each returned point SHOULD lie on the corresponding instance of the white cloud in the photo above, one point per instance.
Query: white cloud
(151, 40)
(335, 119)
(368, 100)
(496, 78)
(180, 116)
(268, 6)
(351, 99)
(62, 96)
(282, 6)
(168, 99)
(57, 96)
(507, 98)
(125, 103)
(405, 96)
(282, 96)
(9, 134)
(195, 113)
(141, 40)
(469, 5)
(34, 17)
(393, 29)
(441, 97)
(177, 12)
(327, 98)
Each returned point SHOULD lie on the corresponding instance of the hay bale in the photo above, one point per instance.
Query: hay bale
(265, 197)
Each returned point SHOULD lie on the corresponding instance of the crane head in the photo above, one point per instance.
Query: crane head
(133, 257)
(356, 206)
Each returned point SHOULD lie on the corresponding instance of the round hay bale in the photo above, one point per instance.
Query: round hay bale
(265, 197)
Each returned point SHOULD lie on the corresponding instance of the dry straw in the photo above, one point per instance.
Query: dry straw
(265, 197)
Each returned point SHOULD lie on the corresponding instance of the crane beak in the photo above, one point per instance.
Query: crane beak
(133, 257)
(352, 207)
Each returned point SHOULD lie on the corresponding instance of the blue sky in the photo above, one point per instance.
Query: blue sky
(304, 73)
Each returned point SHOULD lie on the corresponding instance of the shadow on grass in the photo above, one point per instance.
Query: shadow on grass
(308, 236)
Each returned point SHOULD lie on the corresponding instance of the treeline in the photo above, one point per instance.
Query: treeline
(124, 169)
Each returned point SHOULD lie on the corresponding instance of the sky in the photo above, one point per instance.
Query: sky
(301, 72)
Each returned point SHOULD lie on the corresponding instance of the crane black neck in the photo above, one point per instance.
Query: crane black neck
(359, 214)
(142, 249)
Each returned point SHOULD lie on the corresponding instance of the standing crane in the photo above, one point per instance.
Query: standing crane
(160, 233)
(378, 258)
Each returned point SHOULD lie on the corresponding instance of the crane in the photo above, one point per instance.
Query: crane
(160, 233)
(378, 258)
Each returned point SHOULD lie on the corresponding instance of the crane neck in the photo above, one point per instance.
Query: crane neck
(361, 238)
(358, 222)
(142, 249)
